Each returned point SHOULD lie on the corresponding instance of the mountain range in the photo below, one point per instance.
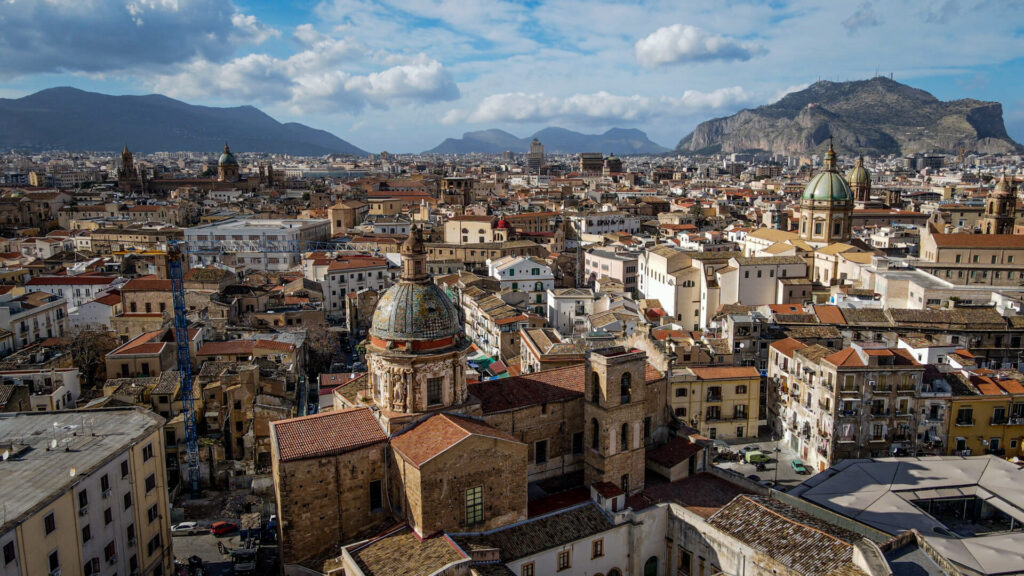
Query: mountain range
(72, 119)
(876, 116)
(616, 140)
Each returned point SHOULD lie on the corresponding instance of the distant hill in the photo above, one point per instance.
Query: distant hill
(620, 141)
(876, 116)
(72, 119)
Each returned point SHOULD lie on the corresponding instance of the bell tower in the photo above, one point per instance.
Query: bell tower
(1000, 209)
(613, 418)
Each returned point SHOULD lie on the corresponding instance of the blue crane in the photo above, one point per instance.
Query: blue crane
(174, 256)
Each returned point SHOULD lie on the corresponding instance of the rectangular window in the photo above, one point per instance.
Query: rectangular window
(564, 560)
(528, 570)
(86, 533)
(109, 551)
(83, 499)
(597, 548)
(152, 513)
(108, 516)
(540, 452)
(474, 506)
(150, 483)
(9, 555)
(124, 470)
(105, 482)
(127, 500)
(376, 496)
(577, 443)
(131, 534)
(147, 452)
(685, 560)
(434, 391)
(49, 523)
(154, 544)
(54, 561)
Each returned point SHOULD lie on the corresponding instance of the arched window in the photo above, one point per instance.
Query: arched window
(595, 388)
(595, 434)
(624, 438)
(626, 387)
(650, 567)
(615, 572)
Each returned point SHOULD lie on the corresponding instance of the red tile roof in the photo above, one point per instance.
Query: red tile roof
(829, 315)
(673, 452)
(438, 433)
(979, 240)
(718, 372)
(788, 345)
(147, 284)
(326, 434)
(234, 347)
(555, 385)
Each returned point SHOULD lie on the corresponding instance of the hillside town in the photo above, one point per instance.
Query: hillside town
(740, 364)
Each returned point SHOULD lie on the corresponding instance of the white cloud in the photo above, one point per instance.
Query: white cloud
(250, 30)
(599, 106)
(331, 74)
(681, 43)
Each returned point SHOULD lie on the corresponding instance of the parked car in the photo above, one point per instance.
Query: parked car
(753, 477)
(798, 466)
(746, 449)
(756, 456)
(184, 529)
(221, 528)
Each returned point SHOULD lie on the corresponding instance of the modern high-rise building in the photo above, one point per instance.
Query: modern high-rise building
(535, 158)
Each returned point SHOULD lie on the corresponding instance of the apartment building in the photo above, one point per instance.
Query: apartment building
(986, 416)
(91, 493)
(621, 266)
(33, 316)
(720, 401)
(77, 290)
(258, 243)
(52, 389)
(529, 275)
(859, 402)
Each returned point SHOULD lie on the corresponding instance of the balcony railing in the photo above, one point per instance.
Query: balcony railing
(879, 412)
(997, 421)
(1015, 420)
(878, 439)
(714, 397)
(966, 452)
(850, 390)
(965, 422)
(903, 413)
(847, 413)
(905, 389)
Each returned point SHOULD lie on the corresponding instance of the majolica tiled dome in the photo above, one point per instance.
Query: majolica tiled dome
(411, 311)
(227, 158)
(859, 174)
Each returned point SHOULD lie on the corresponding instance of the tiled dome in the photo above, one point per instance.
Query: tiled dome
(415, 311)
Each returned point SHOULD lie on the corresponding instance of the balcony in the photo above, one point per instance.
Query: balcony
(904, 413)
(903, 390)
(848, 414)
(882, 389)
(714, 397)
(996, 451)
(998, 421)
(965, 422)
(881, 438)
(822, 451)
(966, 452)
(849, 390)
(1015, 420)
(879, 412)
(901, 438)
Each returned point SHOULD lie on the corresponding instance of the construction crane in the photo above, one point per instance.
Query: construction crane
(176, 251)
(174, 257)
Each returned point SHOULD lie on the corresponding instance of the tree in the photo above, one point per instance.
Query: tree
(88, 350)
(323, 348)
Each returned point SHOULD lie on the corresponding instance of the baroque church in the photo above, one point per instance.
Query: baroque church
(414, 443)
(132, 180)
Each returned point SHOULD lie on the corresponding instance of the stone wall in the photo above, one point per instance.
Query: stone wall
(323, 502)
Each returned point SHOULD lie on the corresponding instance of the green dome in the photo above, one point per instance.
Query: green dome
(227, 158)
(859, 174)
(828, 186)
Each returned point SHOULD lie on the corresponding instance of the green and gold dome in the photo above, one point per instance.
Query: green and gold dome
(828, 185)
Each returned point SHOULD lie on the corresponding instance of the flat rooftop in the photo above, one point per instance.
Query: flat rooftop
(33, 475)
(897, 494)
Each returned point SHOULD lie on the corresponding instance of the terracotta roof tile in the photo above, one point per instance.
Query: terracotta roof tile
(718, 372)
(829, 314)
(147, 284)
(438, 433)
(326, 434)
(788, 345)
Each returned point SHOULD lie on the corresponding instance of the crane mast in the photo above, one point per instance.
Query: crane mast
(174, 258)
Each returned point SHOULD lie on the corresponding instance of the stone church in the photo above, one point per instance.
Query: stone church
(414, 443)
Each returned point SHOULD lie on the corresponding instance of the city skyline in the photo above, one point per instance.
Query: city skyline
(405, 77)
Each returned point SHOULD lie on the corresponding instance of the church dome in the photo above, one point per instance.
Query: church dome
(859, 174)
(415, 312)
(227, 158)
(828, 185)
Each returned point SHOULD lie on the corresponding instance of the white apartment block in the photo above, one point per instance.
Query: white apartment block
(255, 243)
(524, 274)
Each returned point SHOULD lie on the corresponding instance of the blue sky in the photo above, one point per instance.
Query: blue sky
(403, 75)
